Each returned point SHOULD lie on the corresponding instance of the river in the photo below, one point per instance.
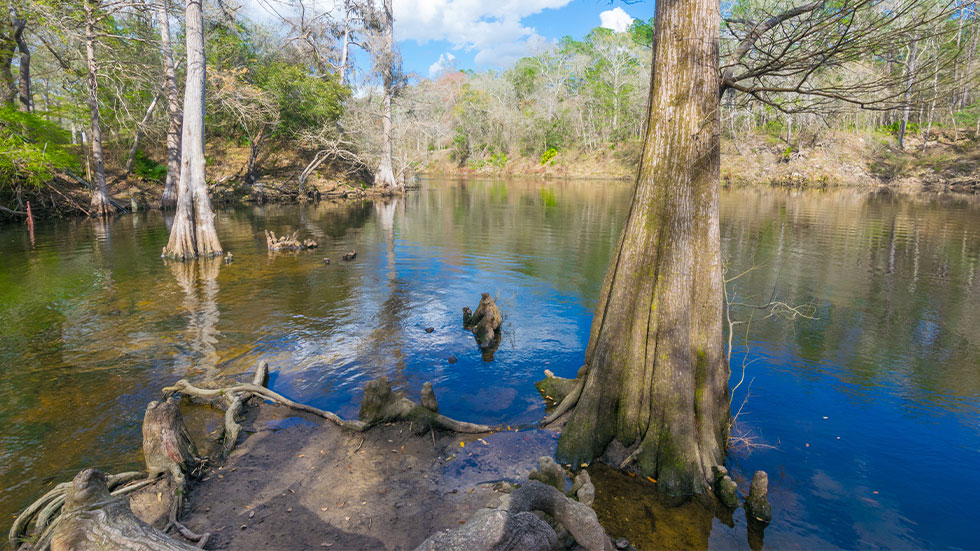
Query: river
(865, 412)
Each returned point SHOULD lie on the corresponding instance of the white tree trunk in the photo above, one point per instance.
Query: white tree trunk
(169, 199)
(193, 232)
(385, 177)
(101, 206)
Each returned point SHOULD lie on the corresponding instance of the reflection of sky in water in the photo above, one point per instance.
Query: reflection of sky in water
(92, 324)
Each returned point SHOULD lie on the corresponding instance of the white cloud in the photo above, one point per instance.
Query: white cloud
(616, 19)
(444, 63)
(493, 29)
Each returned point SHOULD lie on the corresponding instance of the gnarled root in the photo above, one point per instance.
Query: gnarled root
(95, 520)
(513, 525)
(228, 394)
(48, 507)
(554, 384)
(288, 243)
(168, 449)
(380, 404)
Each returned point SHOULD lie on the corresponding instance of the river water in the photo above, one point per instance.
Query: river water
(865, 413)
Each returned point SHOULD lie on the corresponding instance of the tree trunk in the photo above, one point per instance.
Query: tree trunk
(101, 206)
(95, 520)
(655, 377)
(26, 103)
(907, 110)
(385, 177)
(169, 199)
(131, 157)
(345, 49)
(8, 90)
(193, 232)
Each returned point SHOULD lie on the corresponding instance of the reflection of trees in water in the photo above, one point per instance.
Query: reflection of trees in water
(385, 343)
(893, 279)
(563, 232)
(199, 281)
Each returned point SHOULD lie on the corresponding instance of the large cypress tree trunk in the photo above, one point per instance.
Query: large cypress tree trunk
(193, 232)
(100, 193)
(656, 375)
(169, 199)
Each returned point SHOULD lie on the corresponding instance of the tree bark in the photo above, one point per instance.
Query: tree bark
(193, 233)
(95, 520)
(385, 176)
(131, 157)
(8, 89)
(169, 199)
(101, 206)
(656, 376)
(26, 101)
(907, 100)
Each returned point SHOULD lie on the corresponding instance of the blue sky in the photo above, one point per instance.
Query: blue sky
(480, 34)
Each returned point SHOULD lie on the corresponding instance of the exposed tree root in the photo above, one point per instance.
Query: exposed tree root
(570, 400)
(381, 404)
(288, 243)
(83, 515)
(93, 519)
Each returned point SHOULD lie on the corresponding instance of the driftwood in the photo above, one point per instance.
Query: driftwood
(514, 527)
(288, 243)
(93, 519)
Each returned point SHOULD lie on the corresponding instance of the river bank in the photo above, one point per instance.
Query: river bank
(947, 163)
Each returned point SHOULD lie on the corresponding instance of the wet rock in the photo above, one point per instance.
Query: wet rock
(725, 487)
(549, 473)
(350, 255)
(757, 504)
(429, 398)
(229, 258)
(310, 244)
(452, 359)
(622, 543)
(429, 329)
(515, 526)
(326, 261)
(586, 494)
(493, 529)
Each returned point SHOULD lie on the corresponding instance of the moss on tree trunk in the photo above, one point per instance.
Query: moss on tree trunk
(656, 374)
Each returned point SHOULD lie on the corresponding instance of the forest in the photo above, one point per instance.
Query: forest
(700, 279)
(92, 95)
